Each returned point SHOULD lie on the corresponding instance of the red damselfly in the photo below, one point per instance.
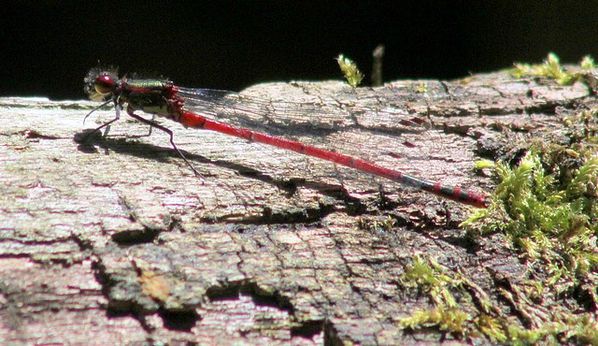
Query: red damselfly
(197, 108)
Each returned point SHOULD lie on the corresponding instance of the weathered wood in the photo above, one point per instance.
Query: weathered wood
(116, 242)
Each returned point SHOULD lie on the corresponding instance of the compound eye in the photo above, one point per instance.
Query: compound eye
(104, 84)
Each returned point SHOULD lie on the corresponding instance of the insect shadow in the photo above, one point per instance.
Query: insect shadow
(89, 141)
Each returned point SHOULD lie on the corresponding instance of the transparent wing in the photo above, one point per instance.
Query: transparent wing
(309, 114)
(386, 134)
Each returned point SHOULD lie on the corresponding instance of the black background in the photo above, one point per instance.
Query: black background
(48, 46)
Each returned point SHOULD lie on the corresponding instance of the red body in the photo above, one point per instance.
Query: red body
(455, 193)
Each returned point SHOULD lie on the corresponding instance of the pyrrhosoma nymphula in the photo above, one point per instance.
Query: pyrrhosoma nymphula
(186, 106)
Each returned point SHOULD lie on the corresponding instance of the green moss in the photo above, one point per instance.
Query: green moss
(350, 70)
(428, 275)
(447, 319)
(588, 63)
(491, 327)
(545, 218)
(421, 88)
(551, 68)
(438, 282)
(582, 330)
(482, 164)
(377, 224)
(451, 316)
(520, 336)
(547, 209)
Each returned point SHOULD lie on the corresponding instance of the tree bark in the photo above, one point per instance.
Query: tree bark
(115, 241)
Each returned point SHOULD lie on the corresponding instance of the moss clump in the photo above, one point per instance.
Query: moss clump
(447, 319)
(547, 208)
(376, 224)
(551, 68)
(429, 276)
(350, 70)
(421, 88)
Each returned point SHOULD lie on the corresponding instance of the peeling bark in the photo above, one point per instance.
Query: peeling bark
(116, 242)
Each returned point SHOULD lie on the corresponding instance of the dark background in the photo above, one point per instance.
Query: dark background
(48, 46)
